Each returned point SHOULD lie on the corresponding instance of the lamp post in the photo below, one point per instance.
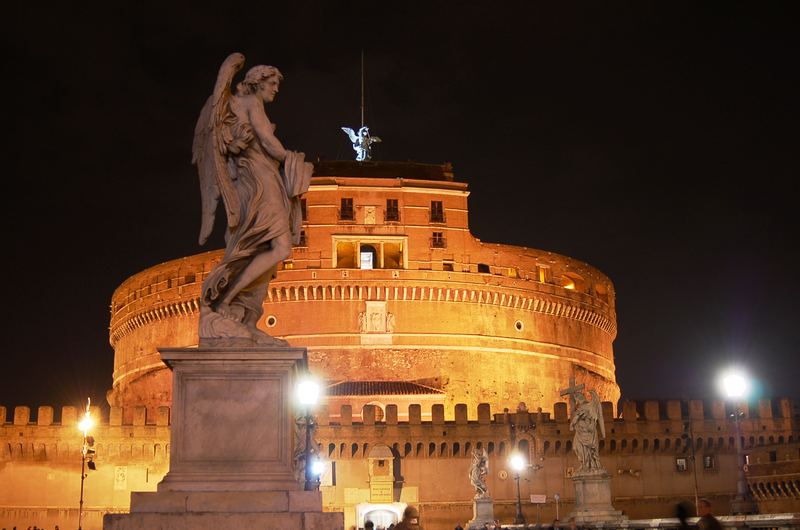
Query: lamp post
(308, 395)
(690, 437)
(84, 425)
(736, 387)
(557, 498)
(518, 464)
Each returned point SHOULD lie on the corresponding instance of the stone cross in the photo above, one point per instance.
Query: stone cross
(571, 390)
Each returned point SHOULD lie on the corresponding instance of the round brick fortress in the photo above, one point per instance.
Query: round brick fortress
(481, 322)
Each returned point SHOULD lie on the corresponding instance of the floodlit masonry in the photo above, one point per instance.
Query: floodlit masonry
(388, 284)
(648, 451)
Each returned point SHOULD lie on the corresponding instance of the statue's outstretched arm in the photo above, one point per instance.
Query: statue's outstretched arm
(264, 131)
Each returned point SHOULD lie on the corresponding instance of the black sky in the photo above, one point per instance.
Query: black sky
(656, 141)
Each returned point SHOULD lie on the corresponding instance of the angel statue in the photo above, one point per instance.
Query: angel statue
(478, 471)
(585, 418)
(239, 159)
(362, 142)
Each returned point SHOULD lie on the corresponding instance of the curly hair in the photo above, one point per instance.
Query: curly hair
(255, 76)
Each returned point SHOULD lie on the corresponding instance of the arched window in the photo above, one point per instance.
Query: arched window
(524, 448)
(407, 449)
(456, 448)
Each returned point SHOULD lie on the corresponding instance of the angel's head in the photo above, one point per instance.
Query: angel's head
(261, 80)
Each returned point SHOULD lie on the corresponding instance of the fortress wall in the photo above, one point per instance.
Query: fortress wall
(430, 314)
(40, 456)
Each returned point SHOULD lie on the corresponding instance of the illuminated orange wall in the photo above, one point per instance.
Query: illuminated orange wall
(506, 324)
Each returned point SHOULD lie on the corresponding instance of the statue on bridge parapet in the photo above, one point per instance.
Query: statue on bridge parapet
(585, 419)
(478, 471)
(239, 158)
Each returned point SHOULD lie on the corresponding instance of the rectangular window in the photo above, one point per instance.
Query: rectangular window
(447, 266)
(680, 464)
(708, 462)
(303, 209)
(438, 241)
(437, 212)
(392, 214)
(773, 456)
(302, 242)
(346, 210)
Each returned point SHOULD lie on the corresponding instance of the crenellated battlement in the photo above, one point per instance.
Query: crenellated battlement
(763, 415)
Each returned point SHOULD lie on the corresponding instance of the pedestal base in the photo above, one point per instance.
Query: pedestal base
(593, 499)
(231, 448)
(482, 512)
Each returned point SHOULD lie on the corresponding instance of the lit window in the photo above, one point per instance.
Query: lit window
(680, 464)
(708, 462)
(366, 260)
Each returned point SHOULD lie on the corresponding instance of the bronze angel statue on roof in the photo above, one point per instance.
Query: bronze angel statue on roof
(362, 142)
(239, 159)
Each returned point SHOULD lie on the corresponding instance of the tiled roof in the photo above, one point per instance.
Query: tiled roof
(379, 388)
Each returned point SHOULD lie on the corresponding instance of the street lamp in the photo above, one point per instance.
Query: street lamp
(308, 395)
(736, 386)
(87, 454)
(518, 463)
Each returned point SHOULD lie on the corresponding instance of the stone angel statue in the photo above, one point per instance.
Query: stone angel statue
(239, 159)
(586, 417)
(362, 142)
(478, 471)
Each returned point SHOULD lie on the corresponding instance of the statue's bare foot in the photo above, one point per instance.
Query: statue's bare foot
(264, 339)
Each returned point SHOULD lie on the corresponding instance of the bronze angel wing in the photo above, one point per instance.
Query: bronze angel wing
(351, 134)
(209, 150)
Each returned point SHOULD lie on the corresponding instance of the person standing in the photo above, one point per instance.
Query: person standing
(707, 520)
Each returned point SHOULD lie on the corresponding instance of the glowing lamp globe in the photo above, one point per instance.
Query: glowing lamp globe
(317, 467)
(735, 385)
(85, 424)
(517, 462)
(308, 392)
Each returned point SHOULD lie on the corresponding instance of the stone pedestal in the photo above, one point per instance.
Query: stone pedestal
(482, 512)
(231, 447)
(593, 499)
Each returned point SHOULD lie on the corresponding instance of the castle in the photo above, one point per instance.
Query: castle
(431, 343)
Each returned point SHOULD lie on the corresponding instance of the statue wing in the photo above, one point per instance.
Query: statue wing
(351, 133)
(209, 149)
(376, 139)
(597, 412)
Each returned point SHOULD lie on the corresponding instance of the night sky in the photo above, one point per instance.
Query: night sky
(655, 141)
